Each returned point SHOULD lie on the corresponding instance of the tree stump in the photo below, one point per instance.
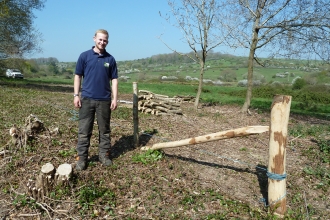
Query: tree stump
(44, 181)
(63, 174)
(47, 179)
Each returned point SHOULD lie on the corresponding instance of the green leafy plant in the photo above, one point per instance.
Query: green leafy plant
(324, 146)
(67, 153)
(149, 156)
(297, 131)
(60, 192)
(150, 131)
(23, 200)
(90, 193)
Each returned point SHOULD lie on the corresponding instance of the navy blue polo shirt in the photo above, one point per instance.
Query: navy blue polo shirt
(97, 71)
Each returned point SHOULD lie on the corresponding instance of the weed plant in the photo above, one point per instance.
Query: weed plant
(150, 156)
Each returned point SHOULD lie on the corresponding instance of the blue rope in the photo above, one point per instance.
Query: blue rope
(75, 115)
(275, 176)
(264, 201)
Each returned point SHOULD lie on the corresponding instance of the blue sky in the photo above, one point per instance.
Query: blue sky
(68, 26)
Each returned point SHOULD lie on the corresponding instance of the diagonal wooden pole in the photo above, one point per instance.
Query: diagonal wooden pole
(211, 137)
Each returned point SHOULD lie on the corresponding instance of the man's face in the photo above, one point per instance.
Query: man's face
(101, 41)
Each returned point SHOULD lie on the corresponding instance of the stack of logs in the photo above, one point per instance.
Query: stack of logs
(49, 178)
(156, 104)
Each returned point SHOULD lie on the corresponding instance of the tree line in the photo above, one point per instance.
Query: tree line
(282, 28)
(18, 36)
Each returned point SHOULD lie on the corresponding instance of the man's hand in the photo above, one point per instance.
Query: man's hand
(113, 105)
(77, 102)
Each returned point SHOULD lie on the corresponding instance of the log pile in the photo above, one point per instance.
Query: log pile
(157, 104)
(49, 178)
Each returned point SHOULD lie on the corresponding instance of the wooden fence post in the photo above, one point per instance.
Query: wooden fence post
(135, 114)
(278, 129)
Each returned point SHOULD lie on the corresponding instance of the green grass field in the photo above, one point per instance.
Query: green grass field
(304, 102)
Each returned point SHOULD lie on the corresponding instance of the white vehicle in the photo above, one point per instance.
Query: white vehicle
(14, 73)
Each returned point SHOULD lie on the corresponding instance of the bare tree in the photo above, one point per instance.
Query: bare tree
(17, 34)
(199, 21)
(284, 28)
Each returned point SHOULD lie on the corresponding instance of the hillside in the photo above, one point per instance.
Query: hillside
(220, 69)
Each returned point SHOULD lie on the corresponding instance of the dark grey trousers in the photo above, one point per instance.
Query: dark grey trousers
(89, 108)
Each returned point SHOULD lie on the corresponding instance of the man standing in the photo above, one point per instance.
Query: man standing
(97, 68)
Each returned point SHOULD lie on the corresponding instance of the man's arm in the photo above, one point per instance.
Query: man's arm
(114, 87)
(76, 88)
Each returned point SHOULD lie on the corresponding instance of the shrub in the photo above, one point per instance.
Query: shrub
(228, 76)
(67, 77)
(276, 84)
(244, 82)
(256, 76)
(298, 83)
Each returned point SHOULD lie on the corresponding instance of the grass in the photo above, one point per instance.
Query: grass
(303, 102)
(139, 182)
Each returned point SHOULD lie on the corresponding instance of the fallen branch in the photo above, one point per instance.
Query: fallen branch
(211, 137)
(4, 152)
(28, 215)
(39, 204)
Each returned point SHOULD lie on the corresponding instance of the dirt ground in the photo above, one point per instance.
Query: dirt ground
(237, 167)
(233, 168)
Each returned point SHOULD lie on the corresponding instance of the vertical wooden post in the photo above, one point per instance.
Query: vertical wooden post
(280, 111)
(135, 114)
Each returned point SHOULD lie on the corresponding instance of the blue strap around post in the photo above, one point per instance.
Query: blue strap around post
(275, 176)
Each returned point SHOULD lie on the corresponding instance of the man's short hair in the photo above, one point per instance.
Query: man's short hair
(102, 31)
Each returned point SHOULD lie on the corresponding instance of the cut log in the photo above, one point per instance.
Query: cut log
(211, 137)
(161, 113)
(174, 111)
(162, 109)
(169, 106)
(144, 91)
(63, 174)
(148, 110)
(167, 99)
(177, 111)
(125, 102)
(162, 102)
(160, 96)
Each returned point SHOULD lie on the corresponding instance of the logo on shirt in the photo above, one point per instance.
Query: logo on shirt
(106, 64)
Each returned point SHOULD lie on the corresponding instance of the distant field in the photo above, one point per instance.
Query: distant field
(148, 72)
(316, 103)
(213, 70)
